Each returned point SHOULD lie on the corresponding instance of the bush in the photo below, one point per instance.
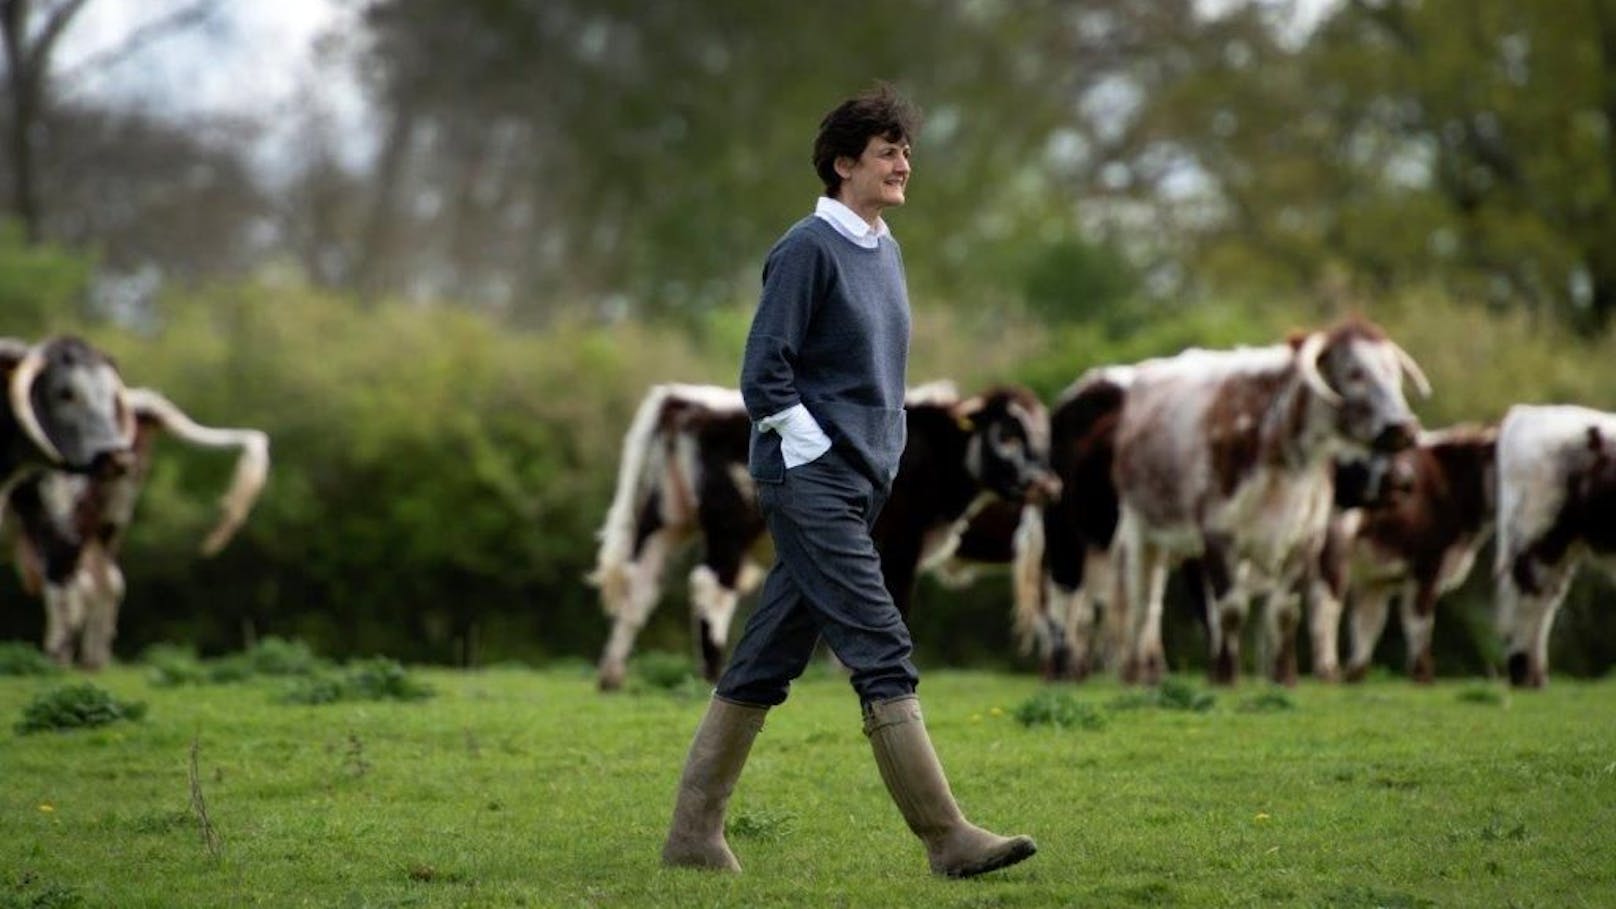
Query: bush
(277, 656)
(20, 658)
(76, 707)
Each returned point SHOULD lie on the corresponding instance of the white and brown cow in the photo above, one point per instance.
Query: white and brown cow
(1556, 508)
(1230, 461)
(1416, 542)
(71, 526)
(683, 477)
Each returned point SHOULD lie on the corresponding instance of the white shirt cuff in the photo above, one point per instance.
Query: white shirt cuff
(801, 439)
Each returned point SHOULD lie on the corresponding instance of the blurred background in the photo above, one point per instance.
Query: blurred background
(439, 249)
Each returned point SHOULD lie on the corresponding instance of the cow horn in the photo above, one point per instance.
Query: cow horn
(1415, 374)
(964, 411)
(1307, 363)
(127, 421)
(22, 380)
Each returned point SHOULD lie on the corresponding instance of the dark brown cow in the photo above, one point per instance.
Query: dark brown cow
(1556, 508)
(1417, 541)
(72, 526)
(683, 476)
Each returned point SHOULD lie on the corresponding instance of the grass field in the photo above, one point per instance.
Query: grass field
(515, 787)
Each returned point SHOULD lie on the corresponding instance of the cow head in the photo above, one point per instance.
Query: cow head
(70, 403)
(1359, 372)
(1008, 451)
(1370, 481)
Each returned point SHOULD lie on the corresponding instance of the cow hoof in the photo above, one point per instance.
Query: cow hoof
(1152, 669)
(609, 680)
(1524, 673)
(1327, 674)
(1129, 671)
(1356, 674)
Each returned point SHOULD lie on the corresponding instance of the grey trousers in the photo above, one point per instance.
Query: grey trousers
(826, 581)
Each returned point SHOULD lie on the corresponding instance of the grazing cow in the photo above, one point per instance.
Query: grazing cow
(64, 408)
(1418, 541)
(1556, 506)
(1228, 458)
(683, 476)
(72, 526)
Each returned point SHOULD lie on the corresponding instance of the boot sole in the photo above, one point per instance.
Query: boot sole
(1019, 852)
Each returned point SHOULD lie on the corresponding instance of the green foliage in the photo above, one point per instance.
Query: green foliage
(77, 706)
(1490, 695)
(760, 824)
(42, 288)
(1059, 709)
(374, 679)
(20, 658)
(1074, 281)
(277, 656)
(1270, 701)
(1173, 693)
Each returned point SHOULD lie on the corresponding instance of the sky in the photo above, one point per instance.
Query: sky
(253, 57)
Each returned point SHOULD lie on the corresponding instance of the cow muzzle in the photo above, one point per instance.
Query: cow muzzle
(1395, 437)
(1043, 488)
(111, 464)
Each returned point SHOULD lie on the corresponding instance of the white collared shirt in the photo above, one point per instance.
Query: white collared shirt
(801, 438)
(848, 223)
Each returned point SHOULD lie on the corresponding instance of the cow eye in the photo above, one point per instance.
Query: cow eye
(65, 395)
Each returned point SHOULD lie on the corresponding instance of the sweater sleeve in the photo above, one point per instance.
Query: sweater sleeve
(795, 279)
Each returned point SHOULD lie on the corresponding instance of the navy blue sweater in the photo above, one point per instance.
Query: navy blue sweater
(832, 333)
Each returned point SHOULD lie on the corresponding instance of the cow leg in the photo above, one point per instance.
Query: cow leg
(1147, 582)
(1529, 615)
(1283, 615)
(1223, 594)
(711, 610)
(630, 604)
(103, 595)
(1418, 611)
(1367, 612)
(1324, 622)
(63, 616)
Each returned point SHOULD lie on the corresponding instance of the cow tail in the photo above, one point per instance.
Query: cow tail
(634, 473)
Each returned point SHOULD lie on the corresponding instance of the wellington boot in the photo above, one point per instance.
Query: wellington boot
(914, 777)
(696, 836)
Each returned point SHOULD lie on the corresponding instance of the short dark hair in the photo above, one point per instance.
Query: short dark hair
(846, 130)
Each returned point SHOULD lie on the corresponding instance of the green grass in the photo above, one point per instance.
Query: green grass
(521, 788)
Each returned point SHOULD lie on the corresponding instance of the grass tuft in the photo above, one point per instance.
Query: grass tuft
(1059, 709)
(1483, 694)
(79, 706)
(1272, 701)
(764, 824)
(28, 891)
(1171, 694)
(20, 658)
(374, 679)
